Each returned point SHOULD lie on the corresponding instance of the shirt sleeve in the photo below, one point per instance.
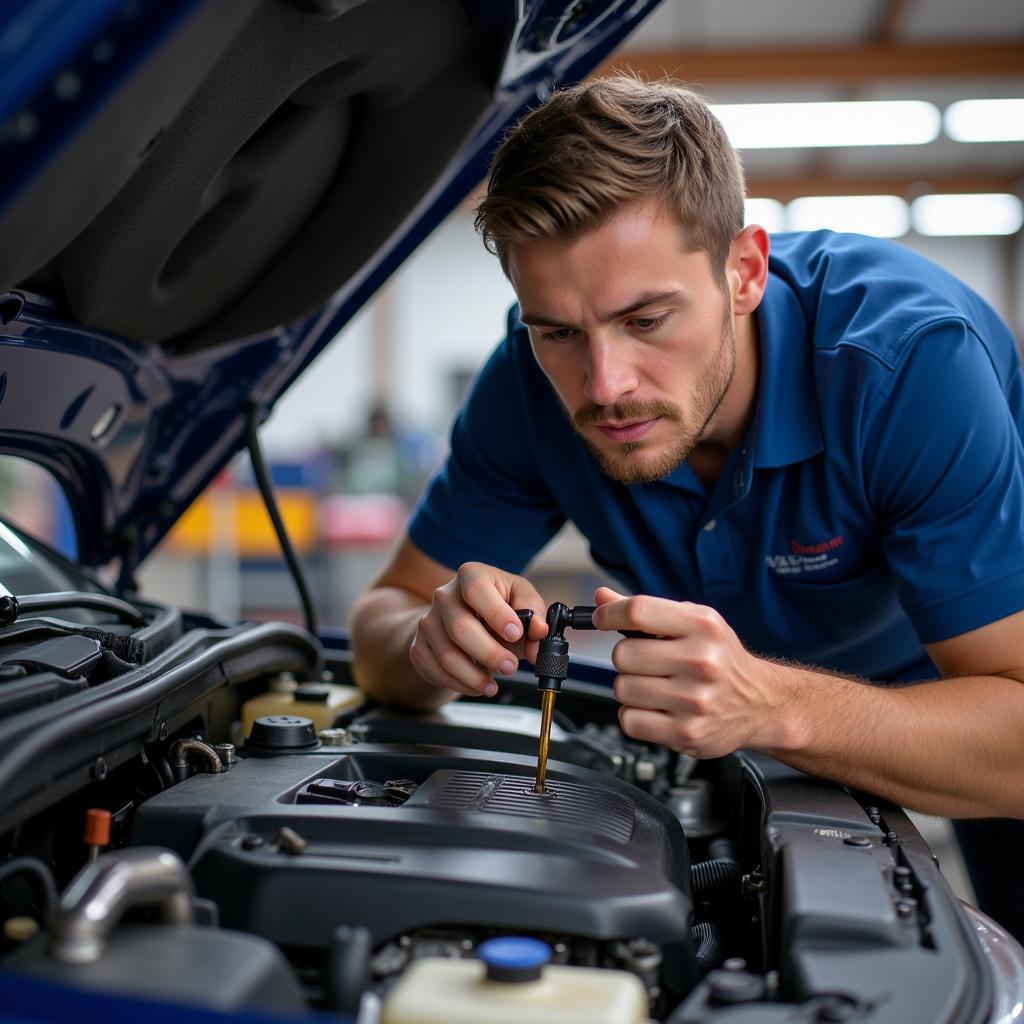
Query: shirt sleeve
(944, 468)
(489, 501)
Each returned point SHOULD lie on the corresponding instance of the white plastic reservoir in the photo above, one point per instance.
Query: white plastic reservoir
(510, 984)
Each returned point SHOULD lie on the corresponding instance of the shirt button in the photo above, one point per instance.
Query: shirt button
(710, 525)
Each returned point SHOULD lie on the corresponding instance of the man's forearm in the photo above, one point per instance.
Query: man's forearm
(383, 626)
(951, 747)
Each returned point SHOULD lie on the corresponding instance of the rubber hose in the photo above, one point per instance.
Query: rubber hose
(709, 943)
(348, 968)
(718, 877)
(163, 769)
(42, 874)
(723, 849)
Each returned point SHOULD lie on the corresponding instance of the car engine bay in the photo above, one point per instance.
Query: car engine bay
(341, 852)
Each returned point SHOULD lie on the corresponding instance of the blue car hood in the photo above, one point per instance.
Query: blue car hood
(196, 195)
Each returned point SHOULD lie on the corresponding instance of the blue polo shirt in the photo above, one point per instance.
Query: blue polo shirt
(876, 503)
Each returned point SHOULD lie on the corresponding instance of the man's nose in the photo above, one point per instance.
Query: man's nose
(611, 375)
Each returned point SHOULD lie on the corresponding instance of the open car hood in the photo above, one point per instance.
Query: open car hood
(196, 195)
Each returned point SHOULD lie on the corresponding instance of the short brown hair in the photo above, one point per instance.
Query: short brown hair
(594, 146)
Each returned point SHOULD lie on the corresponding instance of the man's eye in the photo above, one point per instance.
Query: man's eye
(644, 324)
(558, 334)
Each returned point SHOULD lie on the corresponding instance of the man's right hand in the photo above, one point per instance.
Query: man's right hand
(471, 630)
(421, 638)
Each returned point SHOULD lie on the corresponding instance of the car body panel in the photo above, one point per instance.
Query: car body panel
(139, 427)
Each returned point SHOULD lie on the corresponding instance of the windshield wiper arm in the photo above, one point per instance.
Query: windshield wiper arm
(11, 607)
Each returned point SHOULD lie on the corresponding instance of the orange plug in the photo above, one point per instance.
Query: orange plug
(97, 830)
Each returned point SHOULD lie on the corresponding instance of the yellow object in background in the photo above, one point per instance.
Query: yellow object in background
(322, 702)
(242, 515)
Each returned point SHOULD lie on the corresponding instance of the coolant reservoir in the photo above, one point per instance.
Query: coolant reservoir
(321, 702)
(510, 984)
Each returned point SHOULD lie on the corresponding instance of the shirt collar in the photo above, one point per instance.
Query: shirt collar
(787, 424)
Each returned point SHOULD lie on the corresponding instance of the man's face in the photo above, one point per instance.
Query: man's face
(635, 335)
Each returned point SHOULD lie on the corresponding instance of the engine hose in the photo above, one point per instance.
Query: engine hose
(717, 877)
(708, 940)
(42, 874)
(723, 848)
(163, 768)
(348, 968)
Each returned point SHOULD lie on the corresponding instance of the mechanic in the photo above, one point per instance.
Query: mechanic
(805, 462)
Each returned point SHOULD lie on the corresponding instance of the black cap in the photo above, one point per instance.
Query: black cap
(281, 734)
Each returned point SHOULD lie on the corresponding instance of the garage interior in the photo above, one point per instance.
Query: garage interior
(354, 440)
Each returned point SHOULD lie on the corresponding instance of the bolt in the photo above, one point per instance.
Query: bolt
(334, 737)
(752, 884)
(906, 907)
(856, 841)
(734, 987)
(645, 770)
(161, 734)
(290, 842)
(99, 769)
(252, 842)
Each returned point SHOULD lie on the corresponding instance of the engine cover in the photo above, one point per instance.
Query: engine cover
(472, 845)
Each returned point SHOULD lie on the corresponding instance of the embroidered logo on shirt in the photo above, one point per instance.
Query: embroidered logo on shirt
(806, 558)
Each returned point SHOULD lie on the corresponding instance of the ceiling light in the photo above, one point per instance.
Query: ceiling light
(769, 213)
(985, 121)
(981, 213)
(881, 216)
(786, 125)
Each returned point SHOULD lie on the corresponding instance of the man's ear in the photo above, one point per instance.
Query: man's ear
(746, 269)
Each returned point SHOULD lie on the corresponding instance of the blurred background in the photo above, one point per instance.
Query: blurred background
(897, 118)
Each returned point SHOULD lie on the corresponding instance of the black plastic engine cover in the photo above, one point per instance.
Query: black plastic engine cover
(207, 967)
(495, 728)
(472, 846)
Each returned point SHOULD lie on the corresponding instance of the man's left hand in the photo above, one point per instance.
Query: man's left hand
(695, 689)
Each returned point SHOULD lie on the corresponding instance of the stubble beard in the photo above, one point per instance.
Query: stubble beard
(623, 463)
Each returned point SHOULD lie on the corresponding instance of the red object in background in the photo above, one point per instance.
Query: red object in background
(360, 519)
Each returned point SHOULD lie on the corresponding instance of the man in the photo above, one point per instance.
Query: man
(807, 465)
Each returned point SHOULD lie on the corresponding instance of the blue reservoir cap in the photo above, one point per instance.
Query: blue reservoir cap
(514, 958)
